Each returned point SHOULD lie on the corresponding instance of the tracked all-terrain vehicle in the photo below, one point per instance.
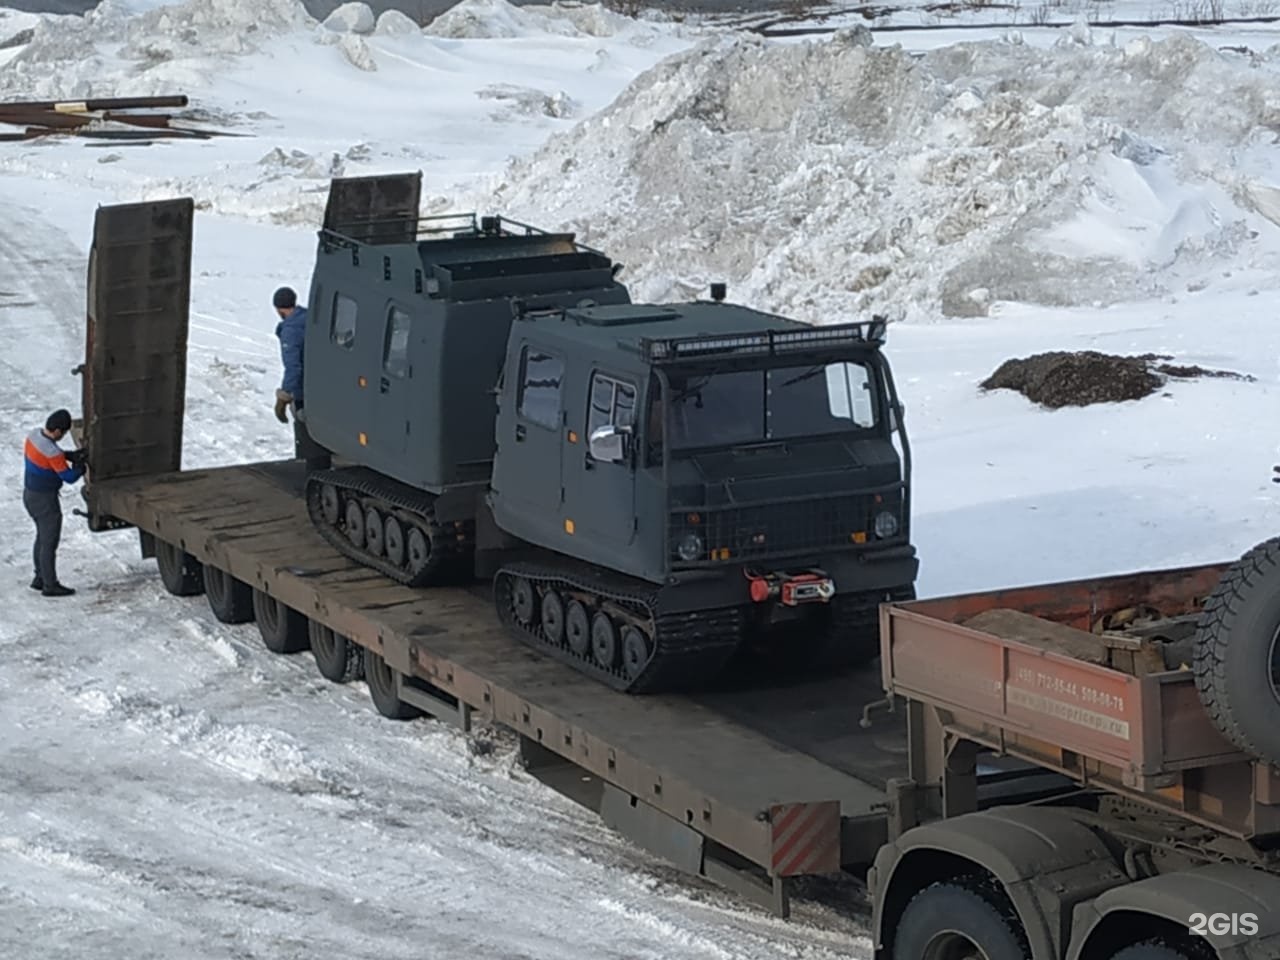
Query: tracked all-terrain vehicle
(651, 487)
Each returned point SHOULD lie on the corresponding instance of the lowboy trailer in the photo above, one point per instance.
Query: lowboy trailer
(1029, 774)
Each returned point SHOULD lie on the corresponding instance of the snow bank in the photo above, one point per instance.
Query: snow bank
(351, 18)
(115, 50)
(497, 19)
(831, 177)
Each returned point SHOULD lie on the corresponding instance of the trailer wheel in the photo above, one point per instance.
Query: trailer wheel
(381, 678)
(337, 658)
(283, 629)
(230, 600)
(179, 571)
(1155, 950)
(949, 921)
(1237, 653)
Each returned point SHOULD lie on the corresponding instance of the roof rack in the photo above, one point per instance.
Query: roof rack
(766, 343)
(439, 226)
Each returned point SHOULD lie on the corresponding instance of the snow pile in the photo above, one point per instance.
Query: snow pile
(393, 23)
(153, 52)
(351, 18)
(498, 19)
(830, 178)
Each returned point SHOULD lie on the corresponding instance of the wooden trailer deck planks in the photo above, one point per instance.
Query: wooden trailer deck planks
(697, 759)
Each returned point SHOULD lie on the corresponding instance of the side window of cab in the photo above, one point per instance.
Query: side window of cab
(538, 398)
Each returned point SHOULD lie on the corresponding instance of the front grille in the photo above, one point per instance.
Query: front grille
(782, 528)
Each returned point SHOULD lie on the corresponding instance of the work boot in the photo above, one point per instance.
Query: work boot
(37, 584)
(57, 590)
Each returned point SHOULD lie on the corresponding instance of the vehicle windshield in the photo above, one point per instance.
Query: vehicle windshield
(752, 406)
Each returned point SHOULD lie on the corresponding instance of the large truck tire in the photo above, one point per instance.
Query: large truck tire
(942, 917)
(230, 599)
(1237, 656)
(337, 658)
(1157, 950)
(283, 629)
(381, 678)
(180, 572)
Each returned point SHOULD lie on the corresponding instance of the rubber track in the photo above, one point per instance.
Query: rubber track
(1213, 634)
(688, 648)
(411, 507)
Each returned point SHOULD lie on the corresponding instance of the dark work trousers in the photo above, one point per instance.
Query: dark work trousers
(304, 448)
(45, 508)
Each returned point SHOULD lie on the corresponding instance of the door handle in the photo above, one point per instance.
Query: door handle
(384, 385)
(520, 432)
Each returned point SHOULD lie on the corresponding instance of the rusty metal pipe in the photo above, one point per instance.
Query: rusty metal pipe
(108, 103)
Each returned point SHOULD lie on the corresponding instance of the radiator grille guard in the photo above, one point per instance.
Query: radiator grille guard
(781, 529)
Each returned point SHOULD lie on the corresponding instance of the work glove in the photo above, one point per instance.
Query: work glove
(282, 402)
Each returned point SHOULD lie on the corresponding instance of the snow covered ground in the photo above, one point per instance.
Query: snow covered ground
(171, 789)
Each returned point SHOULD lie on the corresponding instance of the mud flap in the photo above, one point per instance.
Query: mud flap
(135, 370)
(375, 210)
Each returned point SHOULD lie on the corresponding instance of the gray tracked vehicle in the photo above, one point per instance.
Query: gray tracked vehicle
(652, 488)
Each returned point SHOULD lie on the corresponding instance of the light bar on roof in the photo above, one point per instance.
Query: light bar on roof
(769, 342)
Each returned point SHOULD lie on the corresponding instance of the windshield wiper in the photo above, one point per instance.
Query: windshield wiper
(806, 375)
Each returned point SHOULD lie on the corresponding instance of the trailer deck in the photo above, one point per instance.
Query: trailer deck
(725, 764)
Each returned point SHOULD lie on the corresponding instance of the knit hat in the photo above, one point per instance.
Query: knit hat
(58, 420)
(284, 299)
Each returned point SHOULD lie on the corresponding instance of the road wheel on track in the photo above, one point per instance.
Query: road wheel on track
(524, 601)
(283, 629)
(1237, 653)
(180, 572)
(230, 599)
(354, 516)
(577, 628)
(381, 678)
(393, 541)
(604, 640)
(1158, 950)
(330, 504)
(373, 531)
(635, 651)
(337, 658)
(955, 921)
(419, 545)
(553, 617)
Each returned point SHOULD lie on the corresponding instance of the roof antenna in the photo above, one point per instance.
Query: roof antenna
(717, 292)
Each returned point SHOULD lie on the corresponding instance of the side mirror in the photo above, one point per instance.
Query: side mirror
(897, 416)
(609, 443)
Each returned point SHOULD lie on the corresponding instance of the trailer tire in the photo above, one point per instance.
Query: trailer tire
(283, 629)
(1154, 950)
(1237, 646)
(180, 572)
(230, 599)
(381, 678)
(337, 658)
(955, 912)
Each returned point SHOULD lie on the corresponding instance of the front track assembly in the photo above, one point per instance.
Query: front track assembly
(607, 626)
(388, 527)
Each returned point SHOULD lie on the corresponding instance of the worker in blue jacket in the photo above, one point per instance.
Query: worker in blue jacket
(292, 332)
(48, 467)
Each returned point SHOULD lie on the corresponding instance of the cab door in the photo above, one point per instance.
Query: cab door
(529, 447)
(600, 496)
(393, 403)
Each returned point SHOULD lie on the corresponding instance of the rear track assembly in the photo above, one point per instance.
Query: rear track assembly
(387, 526)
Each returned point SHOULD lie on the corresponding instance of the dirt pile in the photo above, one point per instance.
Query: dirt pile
(1080, 378)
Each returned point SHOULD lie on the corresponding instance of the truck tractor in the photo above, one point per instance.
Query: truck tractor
(652, 489)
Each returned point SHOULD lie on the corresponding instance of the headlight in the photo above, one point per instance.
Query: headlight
(886, 524)
(690, 547)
